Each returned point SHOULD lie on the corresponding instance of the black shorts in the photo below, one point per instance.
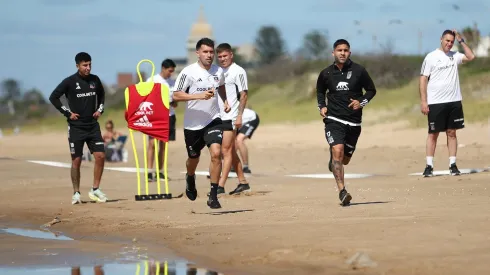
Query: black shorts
(249, 128)
(195, 140)
(339, 133)
(444, 116)
(78, 136)
(172, 131)
(227, 125)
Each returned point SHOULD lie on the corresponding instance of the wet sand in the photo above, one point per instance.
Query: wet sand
(405, 224)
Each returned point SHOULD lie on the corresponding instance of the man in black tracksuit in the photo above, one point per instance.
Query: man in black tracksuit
(342, 116)
(85, 95)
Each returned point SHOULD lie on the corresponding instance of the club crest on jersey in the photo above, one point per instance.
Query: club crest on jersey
(349, 74)
(216, 78)
(92, 85)
(342, 86)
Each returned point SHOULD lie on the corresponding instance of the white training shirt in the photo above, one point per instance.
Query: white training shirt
(248, 115)
(194, 79)
(169, 82)
(442, 70)
(235, 82)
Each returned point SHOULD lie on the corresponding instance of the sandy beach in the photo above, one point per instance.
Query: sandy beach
(400, 224)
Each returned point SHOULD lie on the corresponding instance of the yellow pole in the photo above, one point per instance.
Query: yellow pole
(165, 270)
(136, 160)
(165, 167)
(158, 269)
(146, 268)
(144, 136)
(138, 268)
(145, 161)
(157, 164)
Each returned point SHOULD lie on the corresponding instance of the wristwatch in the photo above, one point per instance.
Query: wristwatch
(461, 41)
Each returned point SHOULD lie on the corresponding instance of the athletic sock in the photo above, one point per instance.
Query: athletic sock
(94, 189)
(245, 166)
(76, 192)
(430, 161)
(214, 191)
(452, 160)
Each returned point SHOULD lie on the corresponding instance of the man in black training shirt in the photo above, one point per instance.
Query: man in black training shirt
(342, 116)
(85, 96)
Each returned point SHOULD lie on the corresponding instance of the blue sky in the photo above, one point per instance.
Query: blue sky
(39, 40)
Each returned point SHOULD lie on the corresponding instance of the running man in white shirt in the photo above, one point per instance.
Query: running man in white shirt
(164, 77)
(197, 84)
(236, 93)
(440, 97)
(250, 122)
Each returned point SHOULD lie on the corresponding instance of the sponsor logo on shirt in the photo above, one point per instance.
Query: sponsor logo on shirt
(145, 108)
(86, 94)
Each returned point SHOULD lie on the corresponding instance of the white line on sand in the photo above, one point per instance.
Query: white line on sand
(127, 169)
(68, 165)
(330, 176)
(206, 173)
(446, 172)
(51, 163)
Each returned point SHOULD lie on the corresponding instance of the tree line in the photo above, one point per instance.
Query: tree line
(17, 104)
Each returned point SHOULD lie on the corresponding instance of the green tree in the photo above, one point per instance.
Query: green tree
(472, 36)
(10, 90)
(33, 96)
(237, 57)
(315, 45)
(269, 44)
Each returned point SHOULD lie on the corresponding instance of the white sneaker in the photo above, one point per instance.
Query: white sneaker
(97, 195)
(76, 198)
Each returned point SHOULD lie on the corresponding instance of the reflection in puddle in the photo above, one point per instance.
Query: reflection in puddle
(38, 234)
(139, 268)
(130, 259)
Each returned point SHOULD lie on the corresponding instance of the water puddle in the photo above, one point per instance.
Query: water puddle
(50, 257)
(38, 234)
(138, 268)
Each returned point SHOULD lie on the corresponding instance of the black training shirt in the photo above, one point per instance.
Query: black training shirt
(343, 85)
(85, 96)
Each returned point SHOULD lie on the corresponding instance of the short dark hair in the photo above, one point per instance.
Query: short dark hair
(204, 41)
(448, 32)
(82, 56)
(341, 42)
(168, 63)
(223, 47)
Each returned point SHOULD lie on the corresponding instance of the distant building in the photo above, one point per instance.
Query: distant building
(124, 80)
(200, 29)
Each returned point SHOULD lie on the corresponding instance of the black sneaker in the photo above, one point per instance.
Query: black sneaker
(242, 187)
(330, 161)
(150, 177)
(428, 171)
(246, 170)
(162, 176)
(453, 170)
(190, 188)
(221, 190)
(345, 197)
(213, 203)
